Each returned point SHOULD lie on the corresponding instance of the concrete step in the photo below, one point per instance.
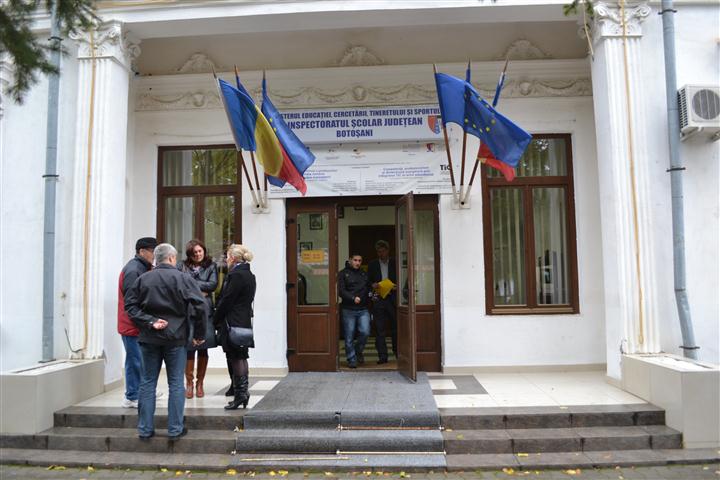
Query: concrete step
(220, 463)
(354, 463)
(580, 460)
(122, 440)
(544, 440)
(331, 441)
(551, 417)
(116, 417)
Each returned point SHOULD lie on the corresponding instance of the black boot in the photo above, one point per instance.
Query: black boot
(242, 393)
(230, 391)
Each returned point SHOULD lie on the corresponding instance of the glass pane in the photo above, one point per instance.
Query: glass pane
(179, 221)
(219, 222)
(544, 157)
(508, 246)
(402, 249)
(424, 223)
(551, 255)
(199, 167)
(313, 259)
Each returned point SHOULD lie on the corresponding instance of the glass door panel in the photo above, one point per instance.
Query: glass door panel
(218, 224)
(424, 237)
(313, 259)
(406, 313)
(179, 222)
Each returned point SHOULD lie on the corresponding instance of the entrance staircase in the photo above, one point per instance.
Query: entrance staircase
(306, 436)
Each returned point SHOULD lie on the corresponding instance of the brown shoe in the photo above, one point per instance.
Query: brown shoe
(202, 363)
(189, 369)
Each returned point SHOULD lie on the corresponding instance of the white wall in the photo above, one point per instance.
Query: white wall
(698, 62)
(472, 338)
(22, 154)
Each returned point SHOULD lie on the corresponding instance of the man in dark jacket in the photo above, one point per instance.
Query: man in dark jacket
(353, 290)
(141, 263)
(161, 303)
(383, 310)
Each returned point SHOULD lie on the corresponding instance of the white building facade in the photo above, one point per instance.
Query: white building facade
(138, 92)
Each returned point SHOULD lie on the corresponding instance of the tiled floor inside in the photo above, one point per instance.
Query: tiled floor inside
(450, 391)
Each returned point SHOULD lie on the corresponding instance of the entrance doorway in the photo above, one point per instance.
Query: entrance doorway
(321, 234)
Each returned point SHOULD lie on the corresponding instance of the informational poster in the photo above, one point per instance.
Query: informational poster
(366, 124)
(388, 168)
(388, 150)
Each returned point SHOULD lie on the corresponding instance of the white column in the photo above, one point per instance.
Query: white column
(104, 58)
(622, 133)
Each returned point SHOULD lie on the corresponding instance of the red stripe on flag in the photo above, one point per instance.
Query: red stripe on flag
(490, 160)
(290, 174)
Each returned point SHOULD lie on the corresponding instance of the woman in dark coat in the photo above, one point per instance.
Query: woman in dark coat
(235, 308)
(203, 270)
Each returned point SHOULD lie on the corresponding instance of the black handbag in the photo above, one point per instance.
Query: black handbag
(240, 336)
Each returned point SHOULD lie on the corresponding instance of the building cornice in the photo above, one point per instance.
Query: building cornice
(365, 86)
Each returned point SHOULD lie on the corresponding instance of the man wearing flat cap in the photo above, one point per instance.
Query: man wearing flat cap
(141, 263)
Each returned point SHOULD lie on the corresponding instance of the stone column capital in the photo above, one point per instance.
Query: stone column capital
(108, 41)
(608, 19)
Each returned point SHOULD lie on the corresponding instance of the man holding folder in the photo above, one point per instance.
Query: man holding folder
(383, 279)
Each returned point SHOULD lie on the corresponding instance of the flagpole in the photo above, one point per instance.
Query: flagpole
(249, 182)
(464, 145)
(239, 150)
(265, 190)
(447, 149)
(498, 89)
(257, 179)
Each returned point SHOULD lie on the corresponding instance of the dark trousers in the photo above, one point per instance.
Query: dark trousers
(385, 324)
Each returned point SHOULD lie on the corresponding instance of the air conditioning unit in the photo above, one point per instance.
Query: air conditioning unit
(699, 110)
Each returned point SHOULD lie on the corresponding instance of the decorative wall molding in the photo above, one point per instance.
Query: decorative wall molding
(523, 49)
(109, 41)
(200, 63)
(352, 87)
(608, 20)
(359, 56)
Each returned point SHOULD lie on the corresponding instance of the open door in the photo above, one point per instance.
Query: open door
(406, 322)
(311, 286)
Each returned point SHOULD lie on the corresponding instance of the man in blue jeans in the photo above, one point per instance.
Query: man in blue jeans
(139, 264)
(161, 303)
(353, 290)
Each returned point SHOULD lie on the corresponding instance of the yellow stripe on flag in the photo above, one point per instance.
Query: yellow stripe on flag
(268, 151)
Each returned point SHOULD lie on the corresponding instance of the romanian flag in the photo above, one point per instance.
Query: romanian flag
(250, 128)
(296, 156)
(486, 156)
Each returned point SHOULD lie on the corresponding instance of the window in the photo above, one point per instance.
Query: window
(529, 224)
(199, 197)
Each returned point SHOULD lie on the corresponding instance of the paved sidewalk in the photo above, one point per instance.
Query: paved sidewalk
(672, 472)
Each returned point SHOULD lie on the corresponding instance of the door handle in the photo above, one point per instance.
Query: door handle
(288, 286)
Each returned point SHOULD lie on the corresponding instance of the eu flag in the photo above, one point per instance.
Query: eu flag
(505, 140)
(451, 97)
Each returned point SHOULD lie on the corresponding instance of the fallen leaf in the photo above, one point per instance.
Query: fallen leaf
(283, 473)
(563, 408)
(90, 468)
(573, 471)
(508, 471)
(178, 473)
(231, 471)
(522, 455)
(55, 467)
(328, 474)
(163, 469)
(448, 429)
(272, 473)
(460, 436)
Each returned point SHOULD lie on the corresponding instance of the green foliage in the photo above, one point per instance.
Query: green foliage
(28, 52)
(572, 8)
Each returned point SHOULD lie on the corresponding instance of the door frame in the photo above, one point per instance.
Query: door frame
(426, 360)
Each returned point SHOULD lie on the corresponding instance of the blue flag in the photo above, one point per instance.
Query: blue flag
(505, 140)
(451, 97)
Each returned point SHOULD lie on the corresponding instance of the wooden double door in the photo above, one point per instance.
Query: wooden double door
(313, 262)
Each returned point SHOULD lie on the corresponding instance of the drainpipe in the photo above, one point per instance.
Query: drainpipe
(676, 186)
(50, 177)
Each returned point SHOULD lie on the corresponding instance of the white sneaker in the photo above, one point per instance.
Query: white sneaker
(127, 403)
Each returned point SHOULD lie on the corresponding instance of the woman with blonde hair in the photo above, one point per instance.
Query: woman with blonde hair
(235, 309)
